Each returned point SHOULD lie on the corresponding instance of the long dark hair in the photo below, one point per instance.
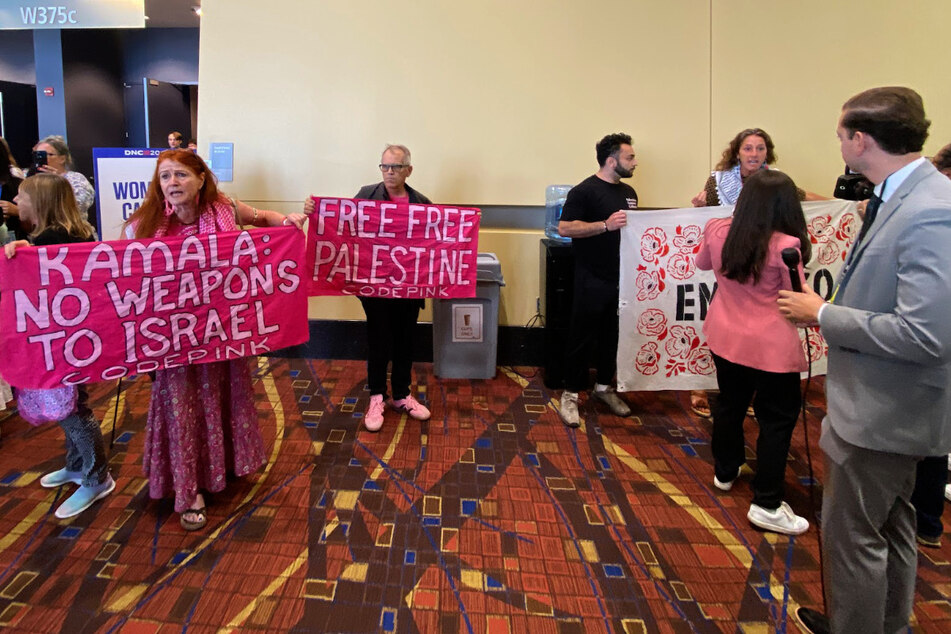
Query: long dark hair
(6, 162)
(768, 203)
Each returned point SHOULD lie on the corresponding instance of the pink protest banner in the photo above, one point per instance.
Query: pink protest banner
(377, 248)
(100, 311)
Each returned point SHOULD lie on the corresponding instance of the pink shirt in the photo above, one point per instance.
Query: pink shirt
(743, 324)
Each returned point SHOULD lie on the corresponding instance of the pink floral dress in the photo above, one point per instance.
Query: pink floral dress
(202, 422)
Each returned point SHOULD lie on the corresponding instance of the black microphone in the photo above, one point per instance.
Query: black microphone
(791, 260)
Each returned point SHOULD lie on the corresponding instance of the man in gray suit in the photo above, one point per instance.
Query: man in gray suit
(888, 387)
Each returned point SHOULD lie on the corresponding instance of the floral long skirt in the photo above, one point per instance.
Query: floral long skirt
(202, 426)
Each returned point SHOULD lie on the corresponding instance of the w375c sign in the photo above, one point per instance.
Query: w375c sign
(100, 311)
(72, 14)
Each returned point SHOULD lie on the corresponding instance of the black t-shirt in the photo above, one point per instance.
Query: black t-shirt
(57, 235)
(594, 200)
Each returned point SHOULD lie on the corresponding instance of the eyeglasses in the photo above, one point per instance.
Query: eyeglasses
(391, 167)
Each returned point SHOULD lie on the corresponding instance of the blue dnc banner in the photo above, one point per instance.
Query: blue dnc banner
(122, 179)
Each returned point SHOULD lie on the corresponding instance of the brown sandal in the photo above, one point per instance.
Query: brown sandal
(197, 525)
(699, 405)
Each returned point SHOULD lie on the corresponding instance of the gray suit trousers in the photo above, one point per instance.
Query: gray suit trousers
(868, 536)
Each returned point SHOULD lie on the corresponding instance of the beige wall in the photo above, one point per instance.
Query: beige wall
(787, 67)
(498, 99)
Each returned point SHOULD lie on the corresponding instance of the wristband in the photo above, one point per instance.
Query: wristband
(605, 223)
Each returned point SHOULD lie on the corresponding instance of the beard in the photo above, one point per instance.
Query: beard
(623, 173)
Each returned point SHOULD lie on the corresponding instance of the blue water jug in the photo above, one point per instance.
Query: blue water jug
(555, 196)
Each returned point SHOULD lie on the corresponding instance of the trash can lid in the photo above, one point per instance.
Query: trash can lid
(489, 269)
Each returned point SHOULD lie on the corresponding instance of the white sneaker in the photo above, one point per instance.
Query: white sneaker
(726, 486)
(610, 398)
(569, 409)
(781, 520)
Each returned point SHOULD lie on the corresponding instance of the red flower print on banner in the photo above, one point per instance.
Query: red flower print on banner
(846, 231)
(681, 266)
(683, 340)
(648, 361)
(653, 323)
(687, 239)
(817, 345)
(701, 361)
(827, 252)
(675, 367)
(654, 244)
(649, 283)
(820, 230)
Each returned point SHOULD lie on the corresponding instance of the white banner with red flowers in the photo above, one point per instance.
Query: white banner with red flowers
(664, 298)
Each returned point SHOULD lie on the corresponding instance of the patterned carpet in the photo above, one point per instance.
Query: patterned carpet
(491, 517)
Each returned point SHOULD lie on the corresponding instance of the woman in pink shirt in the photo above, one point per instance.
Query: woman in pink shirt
(757, 352)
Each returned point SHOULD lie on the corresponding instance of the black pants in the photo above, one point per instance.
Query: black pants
(928, 496)
(776, 403)
(390, 327)
(594, 328)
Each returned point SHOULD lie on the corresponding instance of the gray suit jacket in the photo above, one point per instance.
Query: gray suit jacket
(888, 386)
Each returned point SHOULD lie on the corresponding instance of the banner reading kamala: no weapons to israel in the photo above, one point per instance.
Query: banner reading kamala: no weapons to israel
(375, 248)
(99, 311)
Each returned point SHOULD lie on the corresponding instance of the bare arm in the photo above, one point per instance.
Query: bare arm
(582, 229)
(248, 215)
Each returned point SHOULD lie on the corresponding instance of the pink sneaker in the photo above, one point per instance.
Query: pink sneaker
(373, 419)
(412, 407)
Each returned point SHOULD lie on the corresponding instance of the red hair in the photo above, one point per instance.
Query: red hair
(150, 214)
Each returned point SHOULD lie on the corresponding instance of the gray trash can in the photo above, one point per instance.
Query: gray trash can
(466, 330)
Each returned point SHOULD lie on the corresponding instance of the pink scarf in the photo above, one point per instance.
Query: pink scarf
(218, 216)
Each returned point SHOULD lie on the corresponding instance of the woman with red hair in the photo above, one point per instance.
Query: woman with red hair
(202, 421)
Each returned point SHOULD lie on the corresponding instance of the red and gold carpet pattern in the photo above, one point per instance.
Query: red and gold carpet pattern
(490, 517)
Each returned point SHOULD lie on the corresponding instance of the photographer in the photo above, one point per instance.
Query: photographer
(51, 155)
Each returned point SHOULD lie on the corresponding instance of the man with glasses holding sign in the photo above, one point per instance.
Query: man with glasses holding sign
(392, 322)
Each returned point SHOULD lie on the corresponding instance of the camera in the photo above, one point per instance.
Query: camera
(852, 186)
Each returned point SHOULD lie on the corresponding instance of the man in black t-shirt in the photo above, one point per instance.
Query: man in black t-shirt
(593, 214)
